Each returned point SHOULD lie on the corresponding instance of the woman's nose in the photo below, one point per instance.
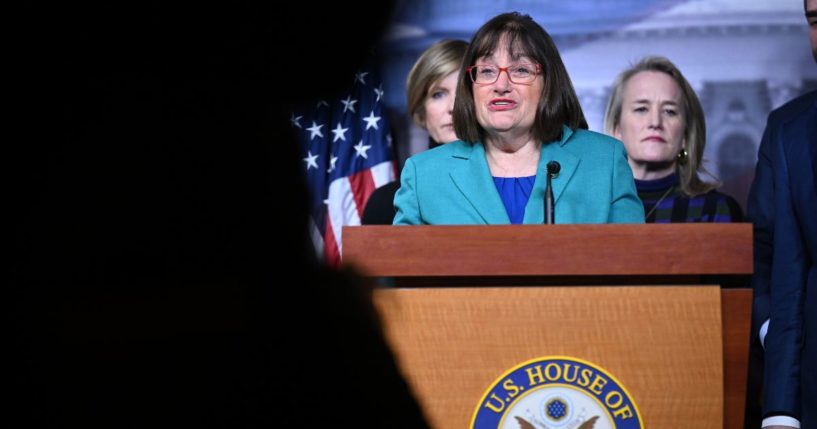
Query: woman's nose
(503, 82)
(655, 119)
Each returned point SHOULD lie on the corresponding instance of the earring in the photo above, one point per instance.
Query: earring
(682, 156)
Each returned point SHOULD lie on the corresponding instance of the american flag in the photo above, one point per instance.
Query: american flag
(347, 154)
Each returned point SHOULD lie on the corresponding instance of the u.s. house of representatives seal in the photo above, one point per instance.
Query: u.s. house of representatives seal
(556, 392)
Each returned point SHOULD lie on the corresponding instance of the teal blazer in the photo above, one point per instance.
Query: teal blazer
(452, 185)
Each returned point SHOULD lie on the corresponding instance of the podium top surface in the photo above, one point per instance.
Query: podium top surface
(550, 250)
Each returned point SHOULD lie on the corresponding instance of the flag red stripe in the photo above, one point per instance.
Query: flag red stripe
(330, 246)
(362, 185)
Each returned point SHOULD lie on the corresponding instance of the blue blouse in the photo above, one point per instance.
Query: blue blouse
(515, 193)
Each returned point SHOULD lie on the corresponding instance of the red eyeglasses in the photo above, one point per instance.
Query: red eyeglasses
(485, 74)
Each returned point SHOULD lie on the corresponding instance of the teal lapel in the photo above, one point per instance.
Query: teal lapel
(473, 179)
(551, 151)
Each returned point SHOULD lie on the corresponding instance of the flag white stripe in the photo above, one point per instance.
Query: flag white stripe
(383, 173)
(342, 208)
(317, 238)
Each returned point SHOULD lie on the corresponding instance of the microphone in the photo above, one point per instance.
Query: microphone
(553, 168)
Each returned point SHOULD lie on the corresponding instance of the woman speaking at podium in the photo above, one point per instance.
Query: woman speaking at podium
(519, 123)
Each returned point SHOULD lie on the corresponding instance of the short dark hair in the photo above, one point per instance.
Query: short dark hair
(558, 105)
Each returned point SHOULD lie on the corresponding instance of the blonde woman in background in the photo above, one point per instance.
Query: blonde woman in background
(657, 115)
(430, 90)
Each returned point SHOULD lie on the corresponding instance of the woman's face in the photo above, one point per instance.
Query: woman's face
(438, 107)
(652, 119)
(504, 106)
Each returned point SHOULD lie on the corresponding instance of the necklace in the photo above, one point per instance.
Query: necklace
(658, 202)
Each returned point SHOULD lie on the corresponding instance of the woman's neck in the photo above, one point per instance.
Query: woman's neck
(651, 170)
(512, 158)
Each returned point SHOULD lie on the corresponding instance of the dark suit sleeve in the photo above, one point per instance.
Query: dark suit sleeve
(380, 207)
(786, 297)
(734, 210)
(760, 211)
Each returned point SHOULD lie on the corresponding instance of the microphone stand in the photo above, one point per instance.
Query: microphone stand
(553, 168)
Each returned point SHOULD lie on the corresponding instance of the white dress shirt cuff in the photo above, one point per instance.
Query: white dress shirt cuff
(781, 421)
(762, 334)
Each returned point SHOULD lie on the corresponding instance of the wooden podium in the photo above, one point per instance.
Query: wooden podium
(640, 301)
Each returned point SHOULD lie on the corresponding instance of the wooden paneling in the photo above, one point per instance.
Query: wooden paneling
(488, 324)
(662, 343)
(557, 250)
(736, 312)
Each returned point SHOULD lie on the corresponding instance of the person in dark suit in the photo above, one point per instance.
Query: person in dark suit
(782, 206)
